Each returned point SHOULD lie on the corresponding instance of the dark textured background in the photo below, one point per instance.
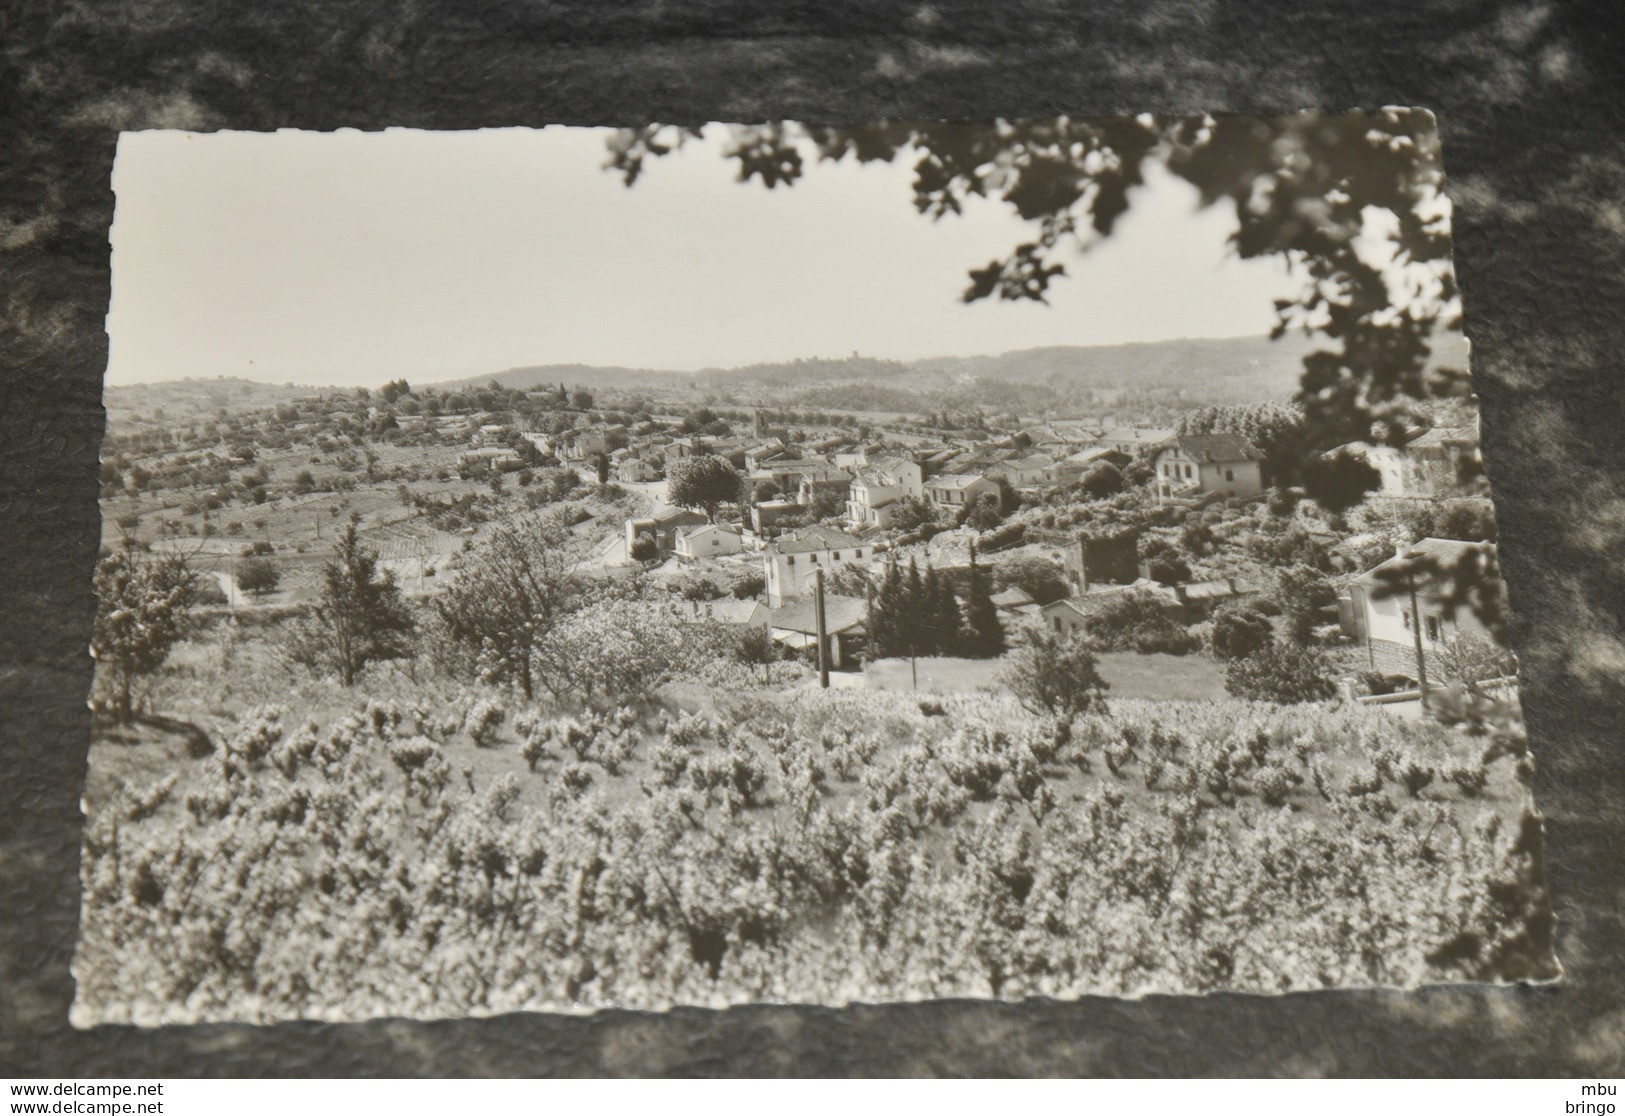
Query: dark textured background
(1529, 96)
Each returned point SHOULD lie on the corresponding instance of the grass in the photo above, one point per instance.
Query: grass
(1152, 677)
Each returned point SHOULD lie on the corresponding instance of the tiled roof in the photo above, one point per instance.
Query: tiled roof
(840, 614)
(1444, 552)
(816, 538)
(1209, 449)
(954, 480)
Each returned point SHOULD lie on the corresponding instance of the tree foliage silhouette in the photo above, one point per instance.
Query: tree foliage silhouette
(1303, 187)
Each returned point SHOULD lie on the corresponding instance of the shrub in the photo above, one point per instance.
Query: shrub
(1055, 675)
(1273, 783)
(644, 548)
(1416, 777)
(482, 721)
(1102, 479)
(1039, 578)
(1137, 621)
(1470, 778)
(1283, 674)
(1164, 562)
(258, 576)
(701, 589)
(1239, 631)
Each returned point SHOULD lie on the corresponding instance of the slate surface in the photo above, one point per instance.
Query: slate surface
(1530, 104)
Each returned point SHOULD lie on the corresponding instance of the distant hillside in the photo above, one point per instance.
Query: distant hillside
(1225, 369)
(1057, 379)
(198, 397)
(534, 376)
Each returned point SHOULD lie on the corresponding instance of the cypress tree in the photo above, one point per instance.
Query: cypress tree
(912, 618)
(885, 636)
(940, 611)
(984, 635)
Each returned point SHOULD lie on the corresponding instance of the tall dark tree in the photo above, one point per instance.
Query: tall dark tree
(360, 617)
(913, 622)
(940, 610)
(887, 638)
(984, 634)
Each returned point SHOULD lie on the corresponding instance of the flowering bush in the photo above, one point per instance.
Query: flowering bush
(822, 846)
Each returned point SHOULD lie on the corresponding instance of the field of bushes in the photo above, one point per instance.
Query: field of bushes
(441, 856)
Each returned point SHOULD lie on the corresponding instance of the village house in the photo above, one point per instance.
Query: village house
(1431, 464)
(787, 474)
(812, 487)
(827, 445)
(491, 434)
(662, 526)
(628, 468)
(940, 459)
(487, 460)
(1199, 464)
(759, 455)
(879, 489)
(1202, 598)
(1026, 472)
(1070, 616)
(1073, 466)
(957, 490)
(1015, 603)
(1132, 440)
(1387, 612)
(711, 540)
(767, 516)
(790, 564)
(684, 447)
(794, 624)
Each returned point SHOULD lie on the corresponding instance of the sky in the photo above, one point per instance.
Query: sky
(353, 258)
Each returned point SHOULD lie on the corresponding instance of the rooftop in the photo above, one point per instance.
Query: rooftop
(1209, 449)
(816, 538)
(954, 480)
(840, 614)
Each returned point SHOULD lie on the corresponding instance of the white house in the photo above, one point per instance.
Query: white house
(710, 540)
(879, 488)
(1387, 611)
(958, 490)
(1070, 616)
(1227, 464)
(1430, 465)
(663, 527)
(791, 563)
(1026, 472)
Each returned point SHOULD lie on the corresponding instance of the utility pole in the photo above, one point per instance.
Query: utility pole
(1416, 639)
(823, 637)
